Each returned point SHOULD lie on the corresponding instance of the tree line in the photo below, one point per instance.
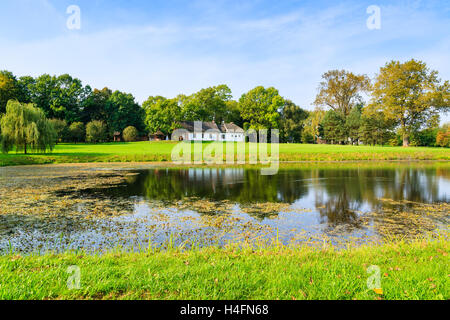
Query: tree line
(402, 108)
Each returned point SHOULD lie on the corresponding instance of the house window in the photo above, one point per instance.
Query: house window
(223, 136)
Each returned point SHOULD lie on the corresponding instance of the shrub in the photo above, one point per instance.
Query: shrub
(95, 131)
(77, 132)
(425, 138)
(307, 137)
(130, 134)
(443, 137)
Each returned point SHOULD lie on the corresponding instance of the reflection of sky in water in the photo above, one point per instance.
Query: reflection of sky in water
(444, 189)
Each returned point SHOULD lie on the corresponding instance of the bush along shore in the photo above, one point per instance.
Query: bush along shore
(416, 269)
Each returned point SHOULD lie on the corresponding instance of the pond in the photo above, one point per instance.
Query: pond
(99, 207)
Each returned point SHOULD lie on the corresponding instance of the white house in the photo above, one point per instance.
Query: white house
(231, 132)
(210, 131)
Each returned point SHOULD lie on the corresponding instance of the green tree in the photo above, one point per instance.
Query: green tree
(25, 85)
(94, 107)
(77, 132)
(291, 122)
(312, 127)
(376, 129)
(67, 102)
(61, 129)
(409, 94)
(341, 90)
(123, 111)
(334, 127)
(260, 108)
(425, 138)
(96, 131)
(26, 127)
(130, 134)
(207, 105)
(353, 123)
(9, 89)
(233, 113)
(307, 137)
(60, 97)
(161, 114)
(41, 91)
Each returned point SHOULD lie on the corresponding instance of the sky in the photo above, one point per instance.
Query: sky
(167, 47)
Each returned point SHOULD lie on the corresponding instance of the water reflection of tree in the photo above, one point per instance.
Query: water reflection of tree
(338, 209)
(234, 184)
(338, 192)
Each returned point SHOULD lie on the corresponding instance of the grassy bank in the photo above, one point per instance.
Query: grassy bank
(417, 270)
(161, 151)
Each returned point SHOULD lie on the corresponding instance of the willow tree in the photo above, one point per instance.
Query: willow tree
(409, 94)
(25, 127)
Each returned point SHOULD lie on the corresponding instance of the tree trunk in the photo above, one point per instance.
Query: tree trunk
(405, 134)
(25, 149)
(405, 140)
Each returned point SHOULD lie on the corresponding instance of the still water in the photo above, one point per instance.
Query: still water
(101, 207)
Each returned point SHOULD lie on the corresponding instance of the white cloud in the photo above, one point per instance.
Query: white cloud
(288, 51)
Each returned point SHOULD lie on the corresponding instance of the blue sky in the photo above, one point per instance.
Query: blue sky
(170, 47)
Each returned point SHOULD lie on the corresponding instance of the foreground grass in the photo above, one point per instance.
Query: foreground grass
(161, 151)
(417, 270)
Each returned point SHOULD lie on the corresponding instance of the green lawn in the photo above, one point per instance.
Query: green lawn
(161, 151)
(417, 270)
